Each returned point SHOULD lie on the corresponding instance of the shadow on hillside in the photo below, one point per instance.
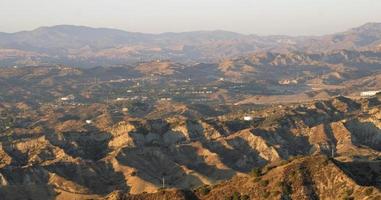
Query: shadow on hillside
(7, 139)
(30, 183)
(18, 158)
(288, 143)
(241, 157)
(313, 118)
(364, 173)
(152, 165)
(92, 144)
(97, 177)
(308, 183)
(153, 162)
(365, 133)
(331, 149)
(187, 155)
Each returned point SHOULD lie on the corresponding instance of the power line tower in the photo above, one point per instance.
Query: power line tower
(163, 180)
(332, 150)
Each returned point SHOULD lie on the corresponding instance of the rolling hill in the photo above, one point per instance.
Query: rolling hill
(79, 45)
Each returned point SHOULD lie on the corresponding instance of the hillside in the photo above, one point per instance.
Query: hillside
(90, 47)
(314, 177)
(59, 155)
(258, 78)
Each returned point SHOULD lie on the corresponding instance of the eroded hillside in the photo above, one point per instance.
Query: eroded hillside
(91, 151)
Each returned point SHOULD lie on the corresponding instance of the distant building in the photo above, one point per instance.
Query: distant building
(369, 93)
(121, 99)
(248, 118)
(288, 82)
(68, 98)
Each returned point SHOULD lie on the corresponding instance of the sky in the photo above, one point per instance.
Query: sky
(262, 17)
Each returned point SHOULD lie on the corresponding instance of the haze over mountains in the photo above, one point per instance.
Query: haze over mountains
(96, 113)
(86, 47)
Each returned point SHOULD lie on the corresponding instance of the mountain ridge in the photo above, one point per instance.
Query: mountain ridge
(368, 25)
(68, 44)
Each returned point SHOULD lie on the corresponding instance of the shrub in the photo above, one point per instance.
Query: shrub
(368, 191)
(349, 192)
(264, 183)
(236, 196)
(291, 158)
(245, 197)
(265, 194)
(348, 198)
(256, 179)
(142, 130)
(276, 193)
(268, 168)
(255, 172)
(283, 162)
(280, 184)
(204, 190)
(286, 188)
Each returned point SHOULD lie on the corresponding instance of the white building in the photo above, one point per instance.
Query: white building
(248, 118)
(68, 98)
(165, 99)
(369, 93)
(121, 99)
(288, 82)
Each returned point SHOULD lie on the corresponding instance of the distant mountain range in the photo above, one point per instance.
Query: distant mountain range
(85, 46)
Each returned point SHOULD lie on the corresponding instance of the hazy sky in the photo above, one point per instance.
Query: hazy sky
(292, 17)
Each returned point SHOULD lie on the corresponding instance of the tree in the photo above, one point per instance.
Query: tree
(236, 196)
(255, 172)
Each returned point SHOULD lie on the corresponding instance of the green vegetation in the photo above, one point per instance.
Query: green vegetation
(264, 183)
(142, 130)
(256, 179)
(276, 193)
(368, 191)
(349, 192)
(204, 190)
(286, 188)
(291, 158)
(237, 196)
(265, 194)
(245, 197)
(256, 172)
(237, 125)
(348, 198)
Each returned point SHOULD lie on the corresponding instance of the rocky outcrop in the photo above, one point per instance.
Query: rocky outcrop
(64, 157)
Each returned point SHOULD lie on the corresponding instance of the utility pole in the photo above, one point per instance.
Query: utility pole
(163, 182)
(332, 150)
